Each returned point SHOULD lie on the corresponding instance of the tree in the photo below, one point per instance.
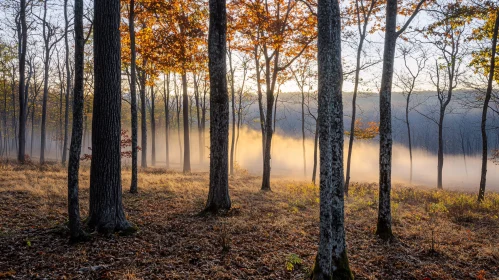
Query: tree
(269, 28)
(361, 14)
(407, 83)
(447, 35)
(166, 100)
(133, 94)
(218, 195)
(22, 98)
(50, 39)
(106, 208)
(489, 13)
(331, 261)
(75, 229)
(384, 226)
(68, 82)
(153, 128)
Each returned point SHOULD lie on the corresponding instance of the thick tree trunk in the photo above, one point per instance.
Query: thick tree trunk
(185, 115)
(22, 99)
(106, 208)
(75, 230)
(68, 84)
(384, 226)
(483, 126)
(331, 261)
(133, 97)
(218, 195)
(153, 129)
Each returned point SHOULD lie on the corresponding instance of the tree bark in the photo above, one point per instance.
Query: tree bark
(22, 99)
(46, 62)
(133, 97)
(218, 195)
(233, 104)
(316, 140)
(483, 126)
(185, 115)
(331, 261)
(106, 208)
(75, 230)
(166, 99)
(143, 114)
(384, 226)
(68, 83)
(153, 129)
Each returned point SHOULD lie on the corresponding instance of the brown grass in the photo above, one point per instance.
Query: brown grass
(267, 235)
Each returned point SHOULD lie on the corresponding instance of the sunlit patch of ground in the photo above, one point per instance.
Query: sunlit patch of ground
(267, 235)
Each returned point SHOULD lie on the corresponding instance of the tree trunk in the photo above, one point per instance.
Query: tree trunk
(75, 230)
(354, 114)
(440, 153)
(153, 129)
(185, 115)
(218, 195)
(316, 140)
(22, 99)
(303, 132)
(46, 62)
(483, 126)
(106, 208)
(408, 124)
(133, 97)
(331, 261)
(143, 115)
(68, 84)
(166, 99)
(384, 226)
(233, 103)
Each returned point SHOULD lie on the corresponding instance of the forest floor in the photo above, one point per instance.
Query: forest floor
(266, 235)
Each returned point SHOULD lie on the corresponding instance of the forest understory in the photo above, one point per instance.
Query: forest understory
(266, 235)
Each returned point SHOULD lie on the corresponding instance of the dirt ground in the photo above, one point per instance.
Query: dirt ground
(266, 235)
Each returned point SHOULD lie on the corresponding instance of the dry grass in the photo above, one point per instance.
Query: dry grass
(267, 235)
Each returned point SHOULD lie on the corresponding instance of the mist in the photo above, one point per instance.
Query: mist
(459, 173)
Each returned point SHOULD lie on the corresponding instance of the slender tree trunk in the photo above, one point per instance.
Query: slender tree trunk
(384, 226)
(166, 99)
(143, 115)
(153, 129)
(32, 129)
(106, 207)
(185, 115)
(232, 91)
(46, 62)
(177, 97)
(408, 124)
(354, 114)
(22, 99)
(316, 140)
(76, 135)
(218, 195)
(483, 126)
(440, 153)
(133, 97)
(303, 131)
(68, 84)
(198, 115)
(331, 261)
